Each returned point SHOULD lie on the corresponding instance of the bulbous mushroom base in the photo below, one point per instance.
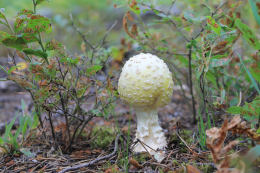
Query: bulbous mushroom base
(150, 134)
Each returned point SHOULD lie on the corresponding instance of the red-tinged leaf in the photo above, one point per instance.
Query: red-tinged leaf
(32, 23)
(93, 70)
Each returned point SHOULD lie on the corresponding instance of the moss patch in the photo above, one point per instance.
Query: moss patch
(102, 136)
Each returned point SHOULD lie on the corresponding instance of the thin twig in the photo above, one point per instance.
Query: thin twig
(94, 161)
(170, 20)
(52, 129)
(212, 14)
(191, 86)
(106, 34)
(64, 109)
(81, 34)
(169, 9)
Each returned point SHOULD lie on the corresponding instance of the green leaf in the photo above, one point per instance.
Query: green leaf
(15, 42)
(255, 10)
(8, 128)
(255, 73)
(1, 141)
(211, 77)
(35, 121)
(219, 62)
(24, 12)
(23, 106)
(2, 17)
(37, 52)
(32, 23)
(3, 35)
(39, 1)
(223, 95)
(81, 91)
(93, 70)
(247, 34)
(70, 60)
(11, 69)
(29, 38)
(214, 25)
(25, 125)
(249, 110)
(234, 110)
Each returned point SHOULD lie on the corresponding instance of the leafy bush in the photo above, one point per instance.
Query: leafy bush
(58, 83)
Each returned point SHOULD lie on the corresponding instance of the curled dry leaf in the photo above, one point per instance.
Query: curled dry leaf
(134, 30)
(219, 151)
(235, 121)
(213, 133)
(128, 17)
(215, 143)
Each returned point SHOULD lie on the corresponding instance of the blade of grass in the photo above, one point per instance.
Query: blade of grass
(255, 10)
(249, 74)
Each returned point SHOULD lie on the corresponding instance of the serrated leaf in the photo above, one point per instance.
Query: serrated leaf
(24, 12)
(248, 34)
(94, 69)
(32, 23)
(29, 38)
(37, 52)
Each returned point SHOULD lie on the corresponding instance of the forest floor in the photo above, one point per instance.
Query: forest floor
(105, 145)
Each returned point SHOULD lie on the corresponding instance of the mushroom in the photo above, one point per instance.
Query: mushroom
(146, 84)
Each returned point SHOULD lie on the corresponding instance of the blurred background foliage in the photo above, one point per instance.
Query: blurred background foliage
(94, 17)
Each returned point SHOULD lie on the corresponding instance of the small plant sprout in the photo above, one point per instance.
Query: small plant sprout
(146, 84)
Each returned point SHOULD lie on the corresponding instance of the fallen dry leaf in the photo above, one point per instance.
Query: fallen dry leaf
(192, 169)
(135, 163)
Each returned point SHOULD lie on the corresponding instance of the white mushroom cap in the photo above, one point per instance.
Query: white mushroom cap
(145, 82)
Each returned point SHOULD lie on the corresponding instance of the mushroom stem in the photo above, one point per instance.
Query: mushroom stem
(149, 131)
